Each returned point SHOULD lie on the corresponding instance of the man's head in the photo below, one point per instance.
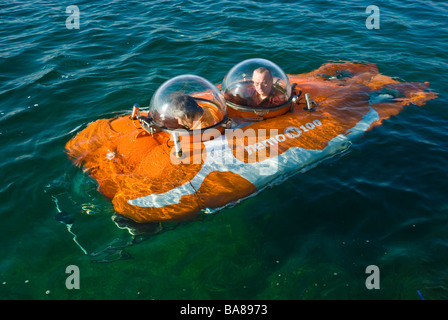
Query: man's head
(263, 80)
(185, 110)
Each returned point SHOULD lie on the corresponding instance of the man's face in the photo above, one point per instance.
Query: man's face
(183, 121)
(262, 83)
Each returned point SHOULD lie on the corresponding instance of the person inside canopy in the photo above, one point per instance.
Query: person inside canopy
(263, 93)
(256, 84)
(189, 114)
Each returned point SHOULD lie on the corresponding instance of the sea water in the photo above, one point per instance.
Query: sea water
(381, 203)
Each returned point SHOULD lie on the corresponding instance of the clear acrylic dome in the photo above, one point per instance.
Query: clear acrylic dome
(256, 83)
(187, 102)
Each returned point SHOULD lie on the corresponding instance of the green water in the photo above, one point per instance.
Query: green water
(383, 202)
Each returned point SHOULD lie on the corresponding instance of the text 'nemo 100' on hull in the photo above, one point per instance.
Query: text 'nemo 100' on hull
(200, 148)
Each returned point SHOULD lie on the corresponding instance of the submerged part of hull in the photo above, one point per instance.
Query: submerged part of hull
(146, 182)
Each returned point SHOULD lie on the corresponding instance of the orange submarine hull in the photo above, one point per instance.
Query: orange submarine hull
(139, 172)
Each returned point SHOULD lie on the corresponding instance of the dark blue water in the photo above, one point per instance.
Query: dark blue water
(383, 203)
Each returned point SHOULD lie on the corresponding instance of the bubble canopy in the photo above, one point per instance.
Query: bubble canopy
(187, 102)
(256, 83)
